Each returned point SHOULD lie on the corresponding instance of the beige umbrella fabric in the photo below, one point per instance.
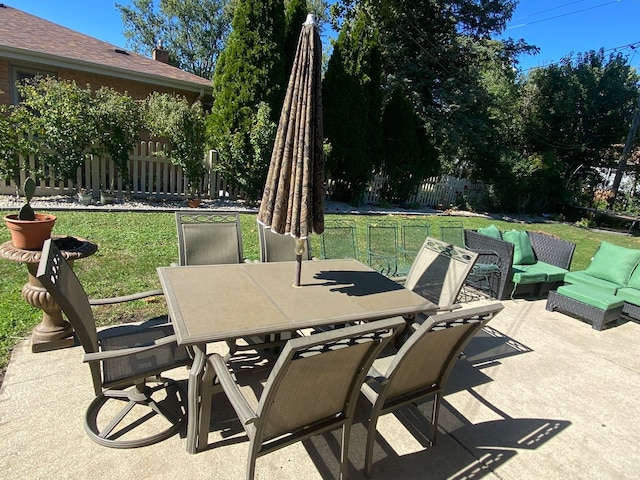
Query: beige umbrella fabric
(293, 198)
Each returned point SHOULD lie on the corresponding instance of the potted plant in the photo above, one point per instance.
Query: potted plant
(84, 196)
(29, 230)
(107, 196)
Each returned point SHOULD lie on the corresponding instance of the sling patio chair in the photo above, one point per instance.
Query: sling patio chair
(439, 272)
(339, 239)
(279, 248)
(312, 388)
(486, 273)
(421, 366)
(212, 238)
(209, 238)
(124, 361)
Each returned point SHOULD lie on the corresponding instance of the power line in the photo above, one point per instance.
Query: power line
(632, 46)
(563, 15)
(548, 10)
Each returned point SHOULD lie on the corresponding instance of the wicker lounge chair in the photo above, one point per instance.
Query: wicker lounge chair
(209, 238)
(546, 248)
(122, 360)
(312, 388)
(421, 367)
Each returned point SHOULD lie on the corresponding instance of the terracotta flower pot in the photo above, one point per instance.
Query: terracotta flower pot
(194, 202)
(30, 234)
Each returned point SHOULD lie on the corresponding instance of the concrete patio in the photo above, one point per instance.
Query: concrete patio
(539, 395)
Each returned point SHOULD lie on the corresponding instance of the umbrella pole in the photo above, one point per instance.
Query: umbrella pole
(299, 250)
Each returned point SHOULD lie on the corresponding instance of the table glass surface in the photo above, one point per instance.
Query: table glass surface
(219, 302)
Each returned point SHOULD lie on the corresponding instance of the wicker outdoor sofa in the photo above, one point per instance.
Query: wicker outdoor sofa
(546, 271)
(606, 289)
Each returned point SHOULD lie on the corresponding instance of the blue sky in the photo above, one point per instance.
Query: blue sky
(558, 27)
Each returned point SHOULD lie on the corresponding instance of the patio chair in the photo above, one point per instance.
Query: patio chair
(382, 246)
(487, 270)
(339, 239)
(209, 238)
(439, 272)
(279, 248)
(413, 234)
(421, 367)
(312, 388)
(123, 360)
(452, 231)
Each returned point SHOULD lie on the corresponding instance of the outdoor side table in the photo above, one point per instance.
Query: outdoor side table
(53, 331)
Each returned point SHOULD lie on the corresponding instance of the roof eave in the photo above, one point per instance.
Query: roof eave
(73, 64)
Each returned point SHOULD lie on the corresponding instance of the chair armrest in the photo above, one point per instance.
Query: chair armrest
(123, 352)
(243, 409)
(125, 298)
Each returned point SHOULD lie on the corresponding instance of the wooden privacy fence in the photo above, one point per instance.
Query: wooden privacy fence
(153, 176)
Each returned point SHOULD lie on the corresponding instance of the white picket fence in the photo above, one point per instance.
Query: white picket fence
(154, 176)
(441, 191)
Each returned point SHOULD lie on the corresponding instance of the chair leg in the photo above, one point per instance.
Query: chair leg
(251, 459)
(371, 437)
(434, 419)
(344, 452)
(139, 395)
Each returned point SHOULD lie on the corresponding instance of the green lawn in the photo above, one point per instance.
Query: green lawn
(132, 245)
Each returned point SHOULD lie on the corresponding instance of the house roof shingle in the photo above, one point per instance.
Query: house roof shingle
(29, 38)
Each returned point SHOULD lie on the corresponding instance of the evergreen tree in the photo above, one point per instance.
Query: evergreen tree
(408, 156)
(295, 15)
(249, 71)
(352, 105)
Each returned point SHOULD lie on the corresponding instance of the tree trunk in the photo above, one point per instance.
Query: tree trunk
(622, 164)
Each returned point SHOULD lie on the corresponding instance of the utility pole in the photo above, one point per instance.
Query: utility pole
(622, 164)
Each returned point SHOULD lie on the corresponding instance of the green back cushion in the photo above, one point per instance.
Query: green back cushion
(522, 251)
(613, 263)
(490, 231)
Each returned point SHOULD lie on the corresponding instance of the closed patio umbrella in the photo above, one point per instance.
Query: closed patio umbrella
(293, 198)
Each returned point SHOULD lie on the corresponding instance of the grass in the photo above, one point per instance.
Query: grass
(133, 245)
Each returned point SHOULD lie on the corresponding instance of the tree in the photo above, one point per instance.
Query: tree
(58, 113)
(249, 71)
(438, 53)
(183, 125)
(295, 15)
(192, 31)
(408, 156)
(118, 120)
(352, 105)
(576, 111)
(13, 142)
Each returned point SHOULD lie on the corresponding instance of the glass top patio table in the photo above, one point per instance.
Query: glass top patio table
(209, 303)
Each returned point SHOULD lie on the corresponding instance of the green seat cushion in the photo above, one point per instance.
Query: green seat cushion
(525, 275)
(522, 250)
(591, 296)
(580, 277)
(491, 231)
(613, 263)
(629, 295)
(554, 274)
